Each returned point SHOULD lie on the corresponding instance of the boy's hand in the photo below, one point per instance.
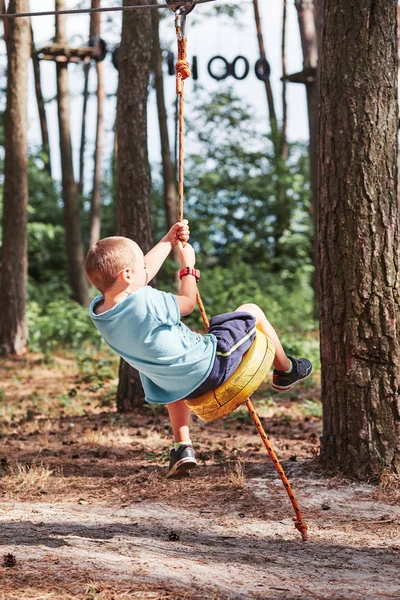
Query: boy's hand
(179, 233)
(187, 255)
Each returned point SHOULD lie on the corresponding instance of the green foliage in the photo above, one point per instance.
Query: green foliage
(61, 322)
(46, 255)
(311, 408)
(246, 204)
(44, 196)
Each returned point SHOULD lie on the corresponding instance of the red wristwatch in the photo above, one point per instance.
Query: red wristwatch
(189, 271)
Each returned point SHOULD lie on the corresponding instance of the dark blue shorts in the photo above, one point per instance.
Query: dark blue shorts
(235, 332)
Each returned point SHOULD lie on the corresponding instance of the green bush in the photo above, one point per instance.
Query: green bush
(62, 322)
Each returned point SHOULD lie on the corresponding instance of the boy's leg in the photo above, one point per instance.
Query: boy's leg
(288, 371)
(179, 415)
(281, 362)
(182, 458)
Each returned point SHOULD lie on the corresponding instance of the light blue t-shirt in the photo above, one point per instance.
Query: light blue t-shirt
(146, 331)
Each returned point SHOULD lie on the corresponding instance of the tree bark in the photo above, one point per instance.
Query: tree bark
(6, 22)
(398, 83)
(41, 108)
(134, 184)
(14, 260)
(170, 200)
(284, 145)
(86, 72)
(268, 88)
(306, 11)
(73, 232)
(359, 238)
(309, 44)
(95, 216)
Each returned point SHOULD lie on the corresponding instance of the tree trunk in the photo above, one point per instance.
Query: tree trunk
(283, 144)
(309, 44)
(359, 238)
(95, 216)
(306, 11)
(398, 83)
(41, 108)
(282, 212)
(319, 22)
(73, 232)
(268, 88)
(14, 261)
(86, 72)
(134, 185)
(167, 165)
(6, 22)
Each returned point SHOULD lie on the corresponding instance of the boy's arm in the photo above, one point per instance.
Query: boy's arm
(187, 292)
(157, 255)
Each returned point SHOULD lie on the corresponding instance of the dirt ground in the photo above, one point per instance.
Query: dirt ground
(86, 511)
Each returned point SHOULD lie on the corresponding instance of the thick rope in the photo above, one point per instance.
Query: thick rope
(299, 523)
(182, 72)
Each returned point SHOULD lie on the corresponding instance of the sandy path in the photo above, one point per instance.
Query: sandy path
(353, 552)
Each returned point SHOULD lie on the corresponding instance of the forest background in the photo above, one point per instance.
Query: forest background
(230, 177)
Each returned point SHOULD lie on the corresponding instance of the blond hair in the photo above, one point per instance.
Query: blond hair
(108, 257)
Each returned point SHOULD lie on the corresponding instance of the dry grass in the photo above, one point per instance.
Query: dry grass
(236, 474)
(99, 591)
(23, 477)
(390, 480)
(93, 438)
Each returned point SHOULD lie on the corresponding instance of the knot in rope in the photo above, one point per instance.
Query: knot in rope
(182, 66)
(183, 69)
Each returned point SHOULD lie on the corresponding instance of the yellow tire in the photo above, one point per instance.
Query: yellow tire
(247, 378)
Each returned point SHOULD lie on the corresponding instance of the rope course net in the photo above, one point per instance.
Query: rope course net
(78, 11)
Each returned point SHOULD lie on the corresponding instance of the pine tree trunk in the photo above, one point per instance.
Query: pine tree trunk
(73, 232)
(14, 261)
(134, 185)
(309, 44)
(86, 72)
(41, 108)
(170, 200)
(306, 11)
(359, 238)
(6, 22)
(95, 209)
(268, 88)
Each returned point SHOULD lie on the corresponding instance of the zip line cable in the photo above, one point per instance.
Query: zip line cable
(77, 11)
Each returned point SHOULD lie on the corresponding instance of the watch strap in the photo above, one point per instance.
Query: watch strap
(188, 271)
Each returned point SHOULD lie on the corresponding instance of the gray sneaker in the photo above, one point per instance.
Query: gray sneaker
(181, 461)
(285, 381)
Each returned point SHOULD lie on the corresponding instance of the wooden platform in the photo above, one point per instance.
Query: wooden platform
(63, 53)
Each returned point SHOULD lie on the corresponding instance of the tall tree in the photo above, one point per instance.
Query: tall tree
(41, 107)
(267, 82)
(278, 135)
(13, 328)
(309, 44)
(359, 237)
(95, 217)
(134, 184)
(73, 232)
(310, 25)
(86, 73)
(170, 200)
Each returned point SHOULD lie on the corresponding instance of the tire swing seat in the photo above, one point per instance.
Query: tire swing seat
(247, 378)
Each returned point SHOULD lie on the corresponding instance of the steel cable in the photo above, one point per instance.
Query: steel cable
(78, 11)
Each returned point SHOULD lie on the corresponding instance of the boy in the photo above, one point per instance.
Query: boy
(143, 326)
